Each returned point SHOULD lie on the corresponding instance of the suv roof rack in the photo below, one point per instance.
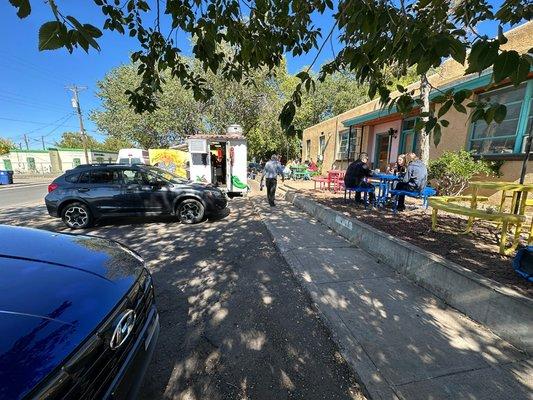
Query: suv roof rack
(94, 165)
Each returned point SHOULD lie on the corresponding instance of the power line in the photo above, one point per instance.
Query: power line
(19, 102)
(30, 122)
(70, 114)
(41, 102)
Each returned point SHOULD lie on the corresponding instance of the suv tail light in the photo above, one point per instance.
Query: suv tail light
(52, 187)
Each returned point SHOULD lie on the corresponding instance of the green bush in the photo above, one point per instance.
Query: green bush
(452, 171)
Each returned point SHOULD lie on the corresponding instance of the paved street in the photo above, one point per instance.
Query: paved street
(234, 322)
(14, 195)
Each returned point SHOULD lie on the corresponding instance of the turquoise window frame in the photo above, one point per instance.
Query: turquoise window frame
(520, 133)
(403, 134)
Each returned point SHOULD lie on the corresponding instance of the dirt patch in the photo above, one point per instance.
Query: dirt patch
(477, 251)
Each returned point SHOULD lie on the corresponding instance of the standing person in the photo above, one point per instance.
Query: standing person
(356, 174)
(271, 171)
(414, 180)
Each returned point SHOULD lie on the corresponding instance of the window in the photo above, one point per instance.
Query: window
(132, 177)
(321, 146)
(76, 162)
(105, 176)
(348, 138)
(100, 160)
(507, 137)
(308, 148)
(72, 178)
(85, 177)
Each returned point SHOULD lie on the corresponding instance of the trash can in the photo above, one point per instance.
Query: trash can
(4, 178)
(10, 175)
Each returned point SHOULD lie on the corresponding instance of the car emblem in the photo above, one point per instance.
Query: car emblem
(123, 329)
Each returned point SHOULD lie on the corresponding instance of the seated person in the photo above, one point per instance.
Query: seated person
(414, 179)
(287, 170)
(356, 175)
(398, 169)
(312, 166)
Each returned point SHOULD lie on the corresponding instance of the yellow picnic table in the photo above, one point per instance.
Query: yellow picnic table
(515, 217)
(512, 190)
(505, 187)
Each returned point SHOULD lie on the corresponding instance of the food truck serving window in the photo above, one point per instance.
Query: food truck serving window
(198, 145)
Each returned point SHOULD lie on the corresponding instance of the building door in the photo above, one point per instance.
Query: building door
(7, 165)
(31, 163)
(382, 151)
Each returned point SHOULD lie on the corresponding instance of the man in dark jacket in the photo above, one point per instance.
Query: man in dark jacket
(355, 176)
(414, 180)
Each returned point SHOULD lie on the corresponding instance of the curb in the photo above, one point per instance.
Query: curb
(503, 310)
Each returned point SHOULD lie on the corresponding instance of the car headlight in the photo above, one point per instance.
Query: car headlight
(215, 193)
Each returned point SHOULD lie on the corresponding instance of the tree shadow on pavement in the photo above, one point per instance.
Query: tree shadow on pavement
(234, 322)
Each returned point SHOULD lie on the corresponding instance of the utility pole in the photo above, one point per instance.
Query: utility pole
(26, 141)
(76, 104)
(42, 141)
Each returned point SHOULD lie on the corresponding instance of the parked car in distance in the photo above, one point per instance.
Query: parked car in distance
(133, 156)
(89, 192)
(77, 317)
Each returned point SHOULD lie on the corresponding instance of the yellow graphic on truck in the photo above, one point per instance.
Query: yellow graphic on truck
(171, 160)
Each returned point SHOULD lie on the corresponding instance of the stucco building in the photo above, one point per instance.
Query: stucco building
(53, 160)
(384, 134)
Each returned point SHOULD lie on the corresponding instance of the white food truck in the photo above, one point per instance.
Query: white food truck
(220, 160)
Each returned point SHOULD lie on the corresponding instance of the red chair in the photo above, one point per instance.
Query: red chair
(336, 177)
(321, 182)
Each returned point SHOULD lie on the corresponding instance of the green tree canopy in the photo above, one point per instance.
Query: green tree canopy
(253, 106)
(6, 145)
(374, 37)
(74, 140)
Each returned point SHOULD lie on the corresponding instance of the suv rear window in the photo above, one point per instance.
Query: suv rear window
(72, 178)
(100, 176)
(105, 176)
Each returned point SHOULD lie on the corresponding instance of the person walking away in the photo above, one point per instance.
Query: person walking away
(356, 175)
(414, 180)
(270, 173)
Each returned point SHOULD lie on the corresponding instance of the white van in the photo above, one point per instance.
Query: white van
(133, 156)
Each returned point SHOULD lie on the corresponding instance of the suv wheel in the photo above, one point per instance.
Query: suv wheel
(190, 211)
(76, 216)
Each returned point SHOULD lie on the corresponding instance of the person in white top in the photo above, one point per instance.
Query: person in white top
(271, 171)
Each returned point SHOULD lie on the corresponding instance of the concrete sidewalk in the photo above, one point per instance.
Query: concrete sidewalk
(402, 341)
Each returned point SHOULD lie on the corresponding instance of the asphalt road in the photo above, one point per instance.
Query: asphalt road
(14, 195)
(235, 324)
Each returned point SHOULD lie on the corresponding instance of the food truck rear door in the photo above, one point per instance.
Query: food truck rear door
(237, 166)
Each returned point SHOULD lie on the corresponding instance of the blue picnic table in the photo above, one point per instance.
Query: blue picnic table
(384, 185)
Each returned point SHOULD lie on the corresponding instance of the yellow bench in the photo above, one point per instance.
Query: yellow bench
(506, 219)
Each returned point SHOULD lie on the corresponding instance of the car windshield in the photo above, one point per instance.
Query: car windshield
(166, 175)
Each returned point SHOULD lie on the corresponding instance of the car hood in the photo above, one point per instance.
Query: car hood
(55, 289)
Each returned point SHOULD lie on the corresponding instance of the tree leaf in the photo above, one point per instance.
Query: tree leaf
(24, 7)
(437, 133)
(445, 107)
(459, 107)
(50, 37)
(506, 63)
(500, 113)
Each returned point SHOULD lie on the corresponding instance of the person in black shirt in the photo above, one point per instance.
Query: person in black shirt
(356, 174)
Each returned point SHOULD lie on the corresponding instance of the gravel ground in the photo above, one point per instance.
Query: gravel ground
(235, 324)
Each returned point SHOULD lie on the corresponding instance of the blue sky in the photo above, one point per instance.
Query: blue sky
(33, 97)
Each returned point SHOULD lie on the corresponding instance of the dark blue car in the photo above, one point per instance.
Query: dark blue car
(77, 316)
